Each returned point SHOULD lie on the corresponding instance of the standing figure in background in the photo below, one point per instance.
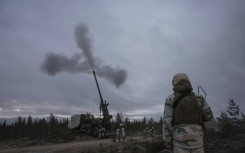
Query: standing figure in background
(153, 132)
(123, 127)
(101, 132)
(146, 131)
(118, 131)
(184, 115)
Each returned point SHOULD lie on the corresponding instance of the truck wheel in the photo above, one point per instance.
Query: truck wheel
(95, 131)
(88, 131)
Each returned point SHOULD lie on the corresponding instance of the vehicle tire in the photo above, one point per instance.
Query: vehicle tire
(88, 131)
(95, 131)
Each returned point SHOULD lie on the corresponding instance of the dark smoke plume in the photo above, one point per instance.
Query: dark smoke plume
(55, 63)
(84, 62)
(116, 76)
(84, 42)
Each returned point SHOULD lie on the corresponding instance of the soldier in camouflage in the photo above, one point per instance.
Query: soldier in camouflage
(184, 137)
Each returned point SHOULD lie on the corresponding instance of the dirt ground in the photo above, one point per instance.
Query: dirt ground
(89, 146)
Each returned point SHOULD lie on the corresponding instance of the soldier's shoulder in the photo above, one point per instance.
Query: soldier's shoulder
(171, 96)
(170, 99)
(199, 96)
(200, 99)
(196, 94)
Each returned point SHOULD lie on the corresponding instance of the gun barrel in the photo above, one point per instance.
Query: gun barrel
(101, 99)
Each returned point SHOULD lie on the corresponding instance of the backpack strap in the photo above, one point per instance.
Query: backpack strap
(176, 102)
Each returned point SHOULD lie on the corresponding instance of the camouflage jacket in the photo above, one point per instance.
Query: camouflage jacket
(188, 136)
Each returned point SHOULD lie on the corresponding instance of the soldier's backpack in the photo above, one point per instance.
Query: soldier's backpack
(186, 110)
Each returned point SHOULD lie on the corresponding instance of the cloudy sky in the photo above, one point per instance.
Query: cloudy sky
(149, 41)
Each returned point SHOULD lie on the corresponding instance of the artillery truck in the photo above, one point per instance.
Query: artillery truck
(87, 123)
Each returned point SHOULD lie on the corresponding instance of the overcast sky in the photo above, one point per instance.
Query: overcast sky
(149, 40)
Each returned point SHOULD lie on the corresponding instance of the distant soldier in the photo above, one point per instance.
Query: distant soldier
(122, 127)
(153, 132)
(101, 132)
(184, 114)
(149, 132)
(146, 131)
(118, 131)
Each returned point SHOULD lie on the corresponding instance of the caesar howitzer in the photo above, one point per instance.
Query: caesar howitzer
(103, 108)
(87, 123)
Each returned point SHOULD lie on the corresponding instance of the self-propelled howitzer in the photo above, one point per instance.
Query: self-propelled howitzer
(103, 107)
(87, 123)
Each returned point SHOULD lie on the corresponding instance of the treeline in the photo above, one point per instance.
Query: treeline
(44, 128)
(232, 120)
(52, 128)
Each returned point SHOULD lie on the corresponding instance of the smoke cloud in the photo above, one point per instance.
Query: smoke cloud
(84, 42)
(56, 63)
(83, 62)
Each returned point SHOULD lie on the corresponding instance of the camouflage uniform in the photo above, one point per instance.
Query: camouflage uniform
(184, 137)
(123, 126)
(118, 138)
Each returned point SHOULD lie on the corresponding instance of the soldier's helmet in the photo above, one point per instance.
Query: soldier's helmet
(181, 83)
(165, 151)
(178, 77)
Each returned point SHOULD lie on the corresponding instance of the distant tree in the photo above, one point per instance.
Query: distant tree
(151, 122)
(233, 110)
(161, 121)
(229, 122)
(118, 119)
(35, 128)
(225, 124)
(24, 122)
(52, 125)
(19, 128)
(243, 122)
(43, 128)
(3, 130)
(29, 121)
(4, 124)
(127, 122)
(159, 125)
(19, 121)
(144, 122)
